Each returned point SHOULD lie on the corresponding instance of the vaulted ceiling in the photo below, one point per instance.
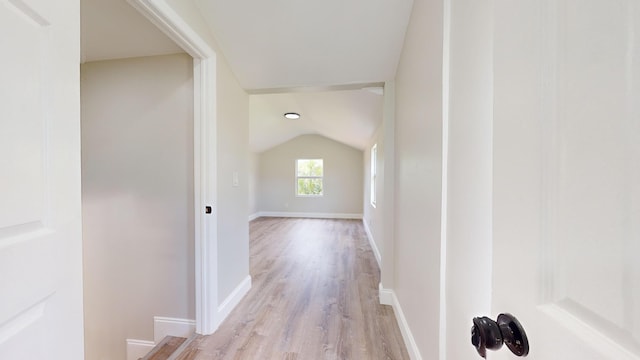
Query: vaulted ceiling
(290, 55)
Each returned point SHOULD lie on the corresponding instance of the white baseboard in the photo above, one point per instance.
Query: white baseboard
(137, 349)
(388, 297)
(233, 299)
(254, 216)
(385, 295)
(372, 242)
(164, 326)
(310, 215)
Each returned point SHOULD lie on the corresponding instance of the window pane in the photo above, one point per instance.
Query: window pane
(309, 167)
(309, 186)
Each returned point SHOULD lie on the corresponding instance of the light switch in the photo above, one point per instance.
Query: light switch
(236, 181)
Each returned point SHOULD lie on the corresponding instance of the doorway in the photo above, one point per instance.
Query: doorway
(198, 142)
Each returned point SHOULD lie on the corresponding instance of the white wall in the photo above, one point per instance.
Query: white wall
(343, 177)
(373, 216)
(233, 200)
(232, 155)
(418, 180)
(254, 168)
(387, 191)
(137, 174)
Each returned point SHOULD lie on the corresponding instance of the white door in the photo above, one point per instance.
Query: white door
(566, 219)
(40, 231)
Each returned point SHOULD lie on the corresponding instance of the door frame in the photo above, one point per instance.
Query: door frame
(204, 155)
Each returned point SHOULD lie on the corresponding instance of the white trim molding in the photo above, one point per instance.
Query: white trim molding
(309, 215)
(233, 299)
(388, 297)
(165, 326)
(372, 242)
(204, 157)
(137, 349)
(254, 216)
(162, 327)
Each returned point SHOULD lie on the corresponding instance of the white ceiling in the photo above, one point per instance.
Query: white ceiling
(294, 43)
(347, 116)
(112, 29)
(281, 52)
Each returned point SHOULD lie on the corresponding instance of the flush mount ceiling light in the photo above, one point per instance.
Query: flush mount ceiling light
(292, 115)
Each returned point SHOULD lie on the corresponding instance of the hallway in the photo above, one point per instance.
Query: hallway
(314, 296)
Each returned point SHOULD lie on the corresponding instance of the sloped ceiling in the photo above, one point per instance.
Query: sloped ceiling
(284, 44)
(347, 116)
(294, 43)
(290, 55)
(112, 29)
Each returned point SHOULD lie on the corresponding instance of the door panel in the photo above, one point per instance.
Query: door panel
(23, 125)
(596, 157)
(40, 243)
(566, 176)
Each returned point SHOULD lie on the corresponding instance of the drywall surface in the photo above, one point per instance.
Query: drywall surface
(137, 197)
(373, 215)
(233, 181)
(233, 248)
(418, 180)
(254, 168)
(343, 177)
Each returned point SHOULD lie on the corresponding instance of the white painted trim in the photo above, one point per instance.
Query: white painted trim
(172, 25)
(233, 299)
(446, 84)
(254, 216)
(372, 242)
(385, 295)
(387, 271)
(137, 349)
(390, 296)
(310, 215)
(205, 170)
(165, 326)
(206, 246)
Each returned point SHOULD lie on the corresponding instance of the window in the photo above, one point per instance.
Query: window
(309, 173)
(374, 170)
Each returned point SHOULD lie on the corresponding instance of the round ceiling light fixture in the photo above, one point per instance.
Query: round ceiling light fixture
(292, 115)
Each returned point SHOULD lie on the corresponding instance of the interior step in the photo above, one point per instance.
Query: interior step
(165, 348)
(189, 349)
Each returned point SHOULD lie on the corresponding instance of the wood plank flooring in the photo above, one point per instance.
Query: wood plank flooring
(314, 296)
(165, 348)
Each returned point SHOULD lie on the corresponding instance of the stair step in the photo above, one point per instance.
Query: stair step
(189, 349)
(165, 348)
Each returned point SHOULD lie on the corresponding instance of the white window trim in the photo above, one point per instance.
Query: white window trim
(308, 177)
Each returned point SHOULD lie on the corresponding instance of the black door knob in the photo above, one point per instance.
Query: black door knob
(489, 334)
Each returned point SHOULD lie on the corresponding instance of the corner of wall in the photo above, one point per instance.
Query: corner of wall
(388, 297)
(254, 216)
(165, 326)
(225, 308)
(162, 327)
(372, 242)
(137, 349)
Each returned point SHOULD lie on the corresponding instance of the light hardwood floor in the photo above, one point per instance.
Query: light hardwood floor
(314, 296)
